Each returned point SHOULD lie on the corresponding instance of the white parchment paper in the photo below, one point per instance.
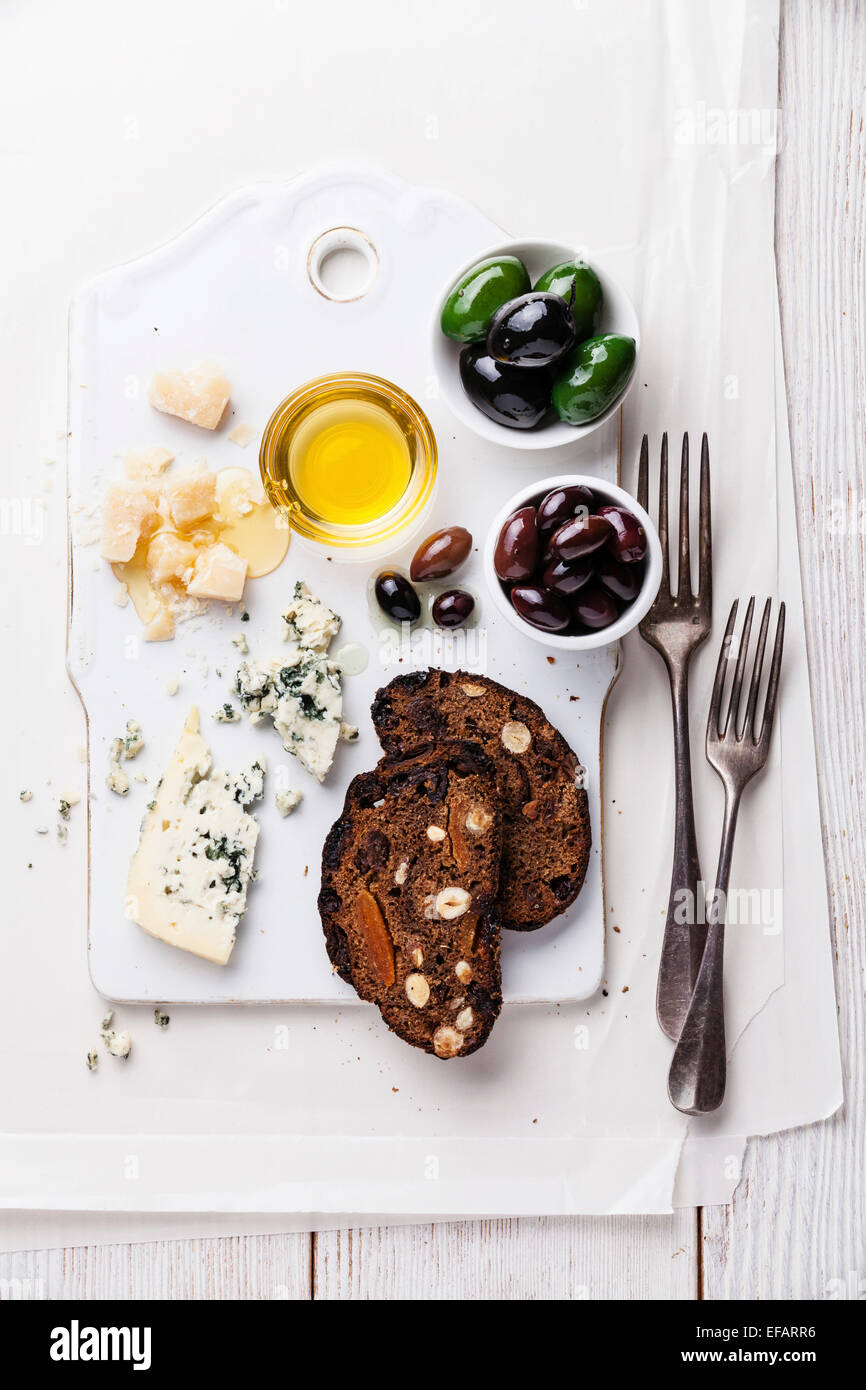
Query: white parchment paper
(645, 132)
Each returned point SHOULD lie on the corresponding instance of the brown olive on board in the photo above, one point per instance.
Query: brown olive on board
(440, 554)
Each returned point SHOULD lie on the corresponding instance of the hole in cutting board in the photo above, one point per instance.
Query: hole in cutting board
(342, 264)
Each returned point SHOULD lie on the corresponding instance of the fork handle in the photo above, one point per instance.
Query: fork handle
(683, 941)
(698, 1071)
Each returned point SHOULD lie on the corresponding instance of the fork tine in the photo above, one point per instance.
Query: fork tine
(737, 685)
(643, 474)
(749, 725)
(705, 556)
(714, 728)
(773, 683)
(684, 573)
(663, 516)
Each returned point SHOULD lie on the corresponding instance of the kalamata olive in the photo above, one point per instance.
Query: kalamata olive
(623, 581)
(561, 504)
(581, 536)
(516, 553)
(511, 396)
(594, 608)
(540, 607)
(567, 579)
(396, 597)
(452, 608)
(441, 554)
(534, 330)
(628, 544)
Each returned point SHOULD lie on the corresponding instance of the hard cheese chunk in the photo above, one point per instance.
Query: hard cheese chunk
(199, 394)
(169, 557)
(146, 463)
(129, 512)
(188, 878)
(218, 573)
(303, 696)
(191, 497)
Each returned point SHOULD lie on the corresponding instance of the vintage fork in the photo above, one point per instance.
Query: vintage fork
(696, 1082)
(676, 625)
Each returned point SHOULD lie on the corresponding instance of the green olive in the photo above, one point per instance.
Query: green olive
(593, 375)
(475, 299)
(577, 276)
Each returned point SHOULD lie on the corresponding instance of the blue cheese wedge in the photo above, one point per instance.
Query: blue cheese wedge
(189, 876)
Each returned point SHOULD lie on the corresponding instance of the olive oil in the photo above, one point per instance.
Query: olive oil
(348, 461)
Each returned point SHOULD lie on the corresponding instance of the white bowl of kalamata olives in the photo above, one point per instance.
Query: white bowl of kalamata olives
(573, 562)
(534, 347)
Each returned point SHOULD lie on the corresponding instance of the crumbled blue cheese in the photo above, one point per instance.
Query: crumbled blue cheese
(160, 1019)
(227, 714)
(241, 643)
(25, 796)
(303, 696)
(118, 1044)
(127, 747)
(188, 879)
(133, 740)
(92, 1059)
(287, 801)
(309, 622)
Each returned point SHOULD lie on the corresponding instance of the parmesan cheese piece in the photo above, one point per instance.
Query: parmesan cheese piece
(191, 497)
(169, 557)
(218, 573)
(161, 626)
(129, 512)
(200, 394)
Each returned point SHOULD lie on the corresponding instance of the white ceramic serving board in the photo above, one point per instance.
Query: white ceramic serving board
(235, 287)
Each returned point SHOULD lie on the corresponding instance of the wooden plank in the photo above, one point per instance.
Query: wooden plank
(236, 1267)
(797, 1226)
(546, 1258)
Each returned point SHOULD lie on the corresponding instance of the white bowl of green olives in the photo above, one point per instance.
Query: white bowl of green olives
(533, 346)
(573, 562)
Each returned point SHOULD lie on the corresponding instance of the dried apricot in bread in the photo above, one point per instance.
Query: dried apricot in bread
(410, 873)
(545, 810)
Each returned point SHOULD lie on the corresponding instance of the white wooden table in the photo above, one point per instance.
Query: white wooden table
(797, 1222)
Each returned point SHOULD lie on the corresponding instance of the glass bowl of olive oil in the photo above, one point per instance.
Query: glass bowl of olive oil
(350, 460)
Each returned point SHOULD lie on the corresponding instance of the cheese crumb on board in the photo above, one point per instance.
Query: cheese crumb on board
(286, 802)
(118, 1044)
(26, 795)
(189, 876)
(172, 685)
(92, 1059)
(160, 1019)
(142, 464)
(198, 394)
(121, 595)
(161, 626)
(242, 434)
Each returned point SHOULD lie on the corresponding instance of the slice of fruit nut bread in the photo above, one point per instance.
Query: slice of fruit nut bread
(545, 810)
(410, 874)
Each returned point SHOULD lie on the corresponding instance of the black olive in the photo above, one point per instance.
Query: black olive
(452, 608)
(396, 597)
(512, 396)
(534, 330)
